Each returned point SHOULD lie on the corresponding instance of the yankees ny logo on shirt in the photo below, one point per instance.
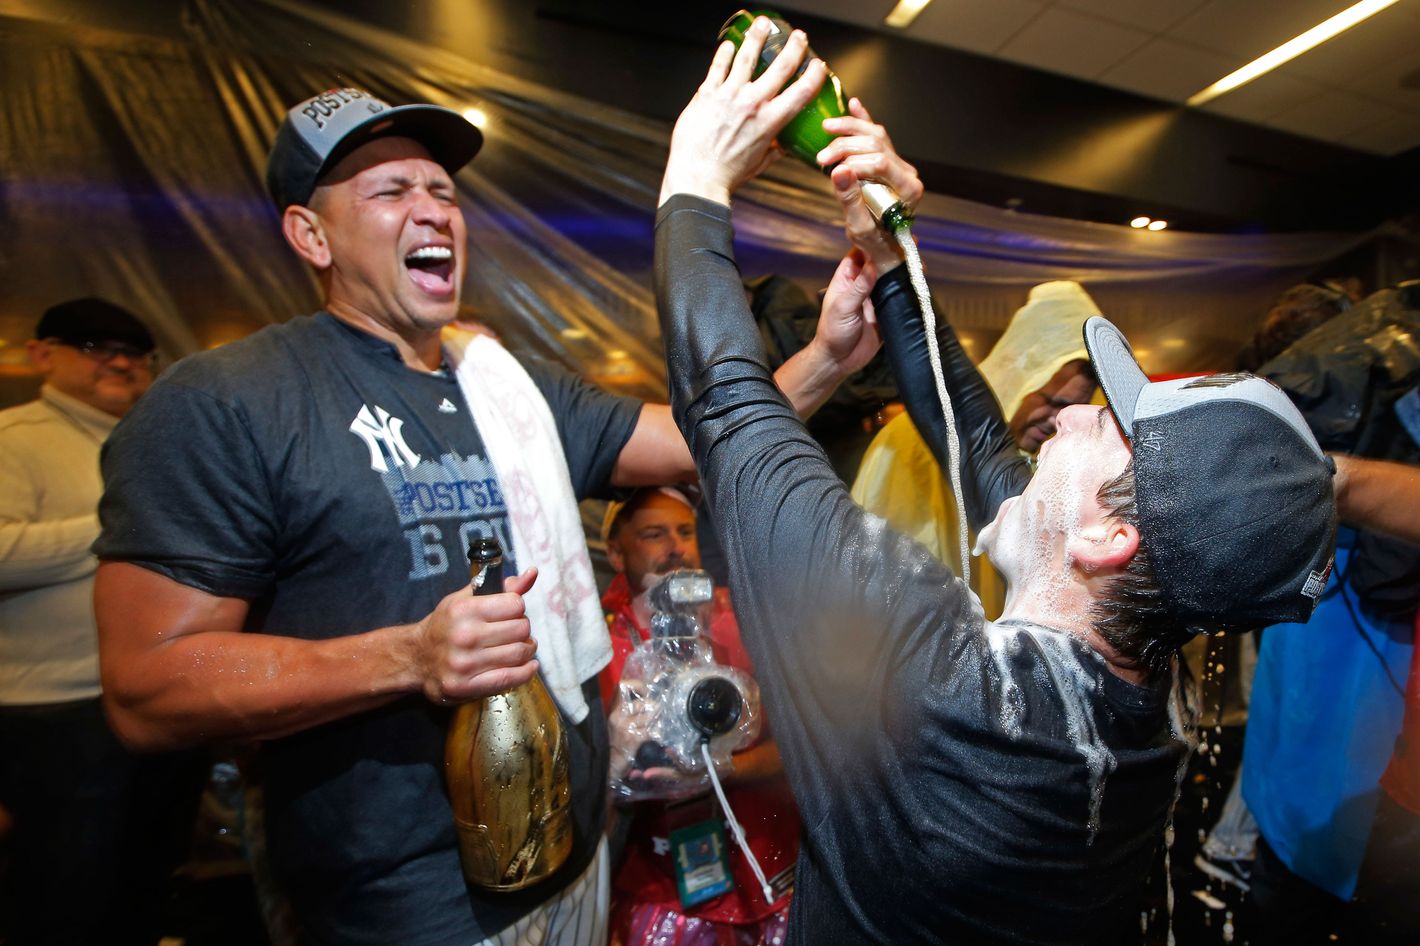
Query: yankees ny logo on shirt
(382, 435)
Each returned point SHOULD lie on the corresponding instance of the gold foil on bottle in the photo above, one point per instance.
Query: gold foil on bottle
(505, 763)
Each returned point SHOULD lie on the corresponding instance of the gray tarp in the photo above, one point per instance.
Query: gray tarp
(131, 167)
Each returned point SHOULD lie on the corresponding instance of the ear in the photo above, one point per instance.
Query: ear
(40, 355)
(303, 230)
(614, 558)
(1107, 546)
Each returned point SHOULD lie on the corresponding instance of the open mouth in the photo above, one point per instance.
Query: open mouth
(432, 269)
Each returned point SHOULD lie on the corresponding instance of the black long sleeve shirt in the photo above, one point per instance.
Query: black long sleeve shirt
(959, 782)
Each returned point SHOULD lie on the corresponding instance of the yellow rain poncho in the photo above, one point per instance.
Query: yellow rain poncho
(900, 480)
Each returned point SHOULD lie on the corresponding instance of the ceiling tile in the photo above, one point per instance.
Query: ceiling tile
(1169, 70)
(1333, 115)
(1264, 97)
(981, 26)
(1395, 82)
(1388, 35)
(1249, 28)
(1073, 43)
(1155, 16)
(1388, 138)
(862, 12)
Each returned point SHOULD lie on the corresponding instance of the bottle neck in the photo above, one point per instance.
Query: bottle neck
(486, 577)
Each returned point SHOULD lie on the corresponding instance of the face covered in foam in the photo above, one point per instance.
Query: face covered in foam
(1029, 539)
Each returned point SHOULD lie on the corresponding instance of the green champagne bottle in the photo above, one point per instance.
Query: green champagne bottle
(804, 136)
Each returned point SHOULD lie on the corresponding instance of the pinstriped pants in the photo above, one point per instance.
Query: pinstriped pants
(576, 917)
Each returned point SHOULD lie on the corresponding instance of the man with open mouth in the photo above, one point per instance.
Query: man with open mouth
(318, 484)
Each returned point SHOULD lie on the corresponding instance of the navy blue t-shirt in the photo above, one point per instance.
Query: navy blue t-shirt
(308, 471)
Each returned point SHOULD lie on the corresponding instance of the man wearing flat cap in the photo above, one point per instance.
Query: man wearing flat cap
(63, 775)
(294, 571)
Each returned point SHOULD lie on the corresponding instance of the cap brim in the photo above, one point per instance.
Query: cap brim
(450, 139)
(1117, 369)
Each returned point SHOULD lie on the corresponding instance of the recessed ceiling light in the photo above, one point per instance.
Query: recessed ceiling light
(1159, 225)
(904, 13)
(1291, 49)
(1139, 223)
(477, 117)
(574, 334)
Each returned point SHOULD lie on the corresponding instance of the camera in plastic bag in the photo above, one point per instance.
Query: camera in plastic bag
(673, 698)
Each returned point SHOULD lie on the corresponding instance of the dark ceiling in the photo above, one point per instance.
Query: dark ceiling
(975, 127)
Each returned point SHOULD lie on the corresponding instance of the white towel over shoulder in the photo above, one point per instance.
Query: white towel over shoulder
(520, 434)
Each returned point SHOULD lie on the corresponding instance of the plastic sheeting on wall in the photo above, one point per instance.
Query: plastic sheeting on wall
(131, 167)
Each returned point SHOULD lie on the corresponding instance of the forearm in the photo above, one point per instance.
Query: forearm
(201, 690)
(1375, 494)
(756, 763)
(808, 379)
(201, 686)
(35, 554)
(992, 468)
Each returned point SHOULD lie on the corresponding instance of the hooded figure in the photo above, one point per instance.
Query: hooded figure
(1037, 367)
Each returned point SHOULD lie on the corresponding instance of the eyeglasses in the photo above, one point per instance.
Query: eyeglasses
(104, 352)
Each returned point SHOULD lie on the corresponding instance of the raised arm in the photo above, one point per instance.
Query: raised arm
(992, 468)
(842, 345)
(833, 606)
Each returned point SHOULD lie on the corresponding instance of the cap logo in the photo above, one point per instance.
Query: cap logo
(330, 101)
(1316, 581)
(1154, 440)
(1225, 380)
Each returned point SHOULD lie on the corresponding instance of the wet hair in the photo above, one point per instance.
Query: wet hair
(1131, 615)
(1295, 313)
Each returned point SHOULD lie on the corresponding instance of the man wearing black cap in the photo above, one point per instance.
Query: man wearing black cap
(963, 781)
(62, 773)
(319, 484)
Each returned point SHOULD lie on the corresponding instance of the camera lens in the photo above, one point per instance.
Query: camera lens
(714, 706)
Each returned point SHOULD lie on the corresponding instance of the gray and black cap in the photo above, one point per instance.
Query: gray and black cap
(319, 132)
(1235, 501)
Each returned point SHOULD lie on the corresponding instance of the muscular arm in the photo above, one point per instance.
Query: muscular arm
(656, 454)
(1375, 494)
(178, 670)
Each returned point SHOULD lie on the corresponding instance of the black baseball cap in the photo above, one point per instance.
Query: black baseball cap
(90, 320)
(318, 132)
(1236, 509)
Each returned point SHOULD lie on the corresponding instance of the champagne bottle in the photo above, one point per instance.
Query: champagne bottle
(804, 136)
(505, 762)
